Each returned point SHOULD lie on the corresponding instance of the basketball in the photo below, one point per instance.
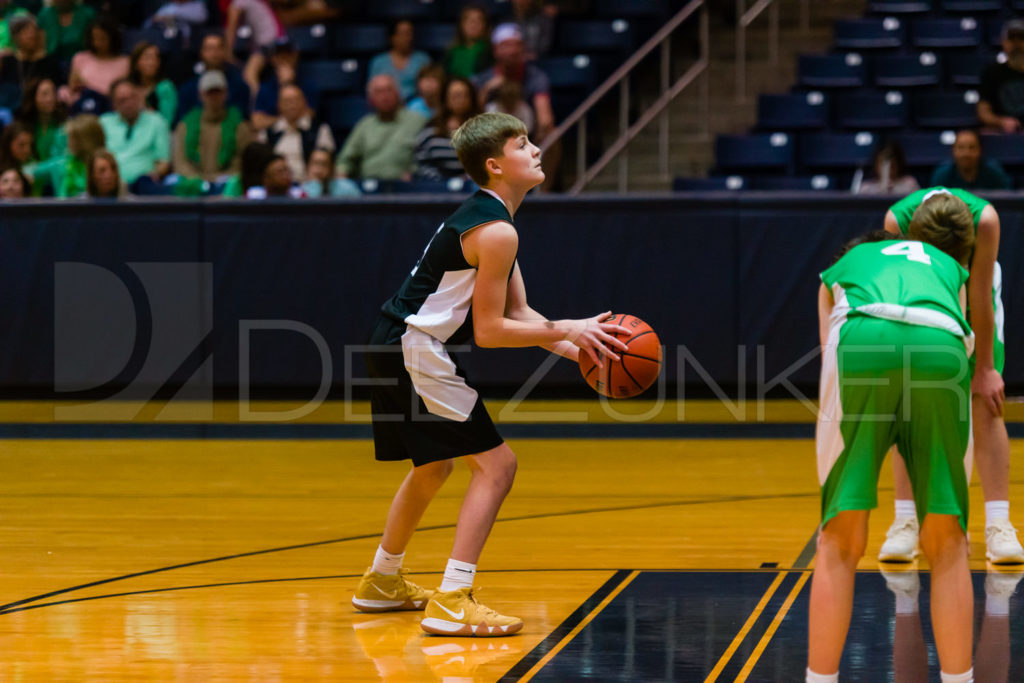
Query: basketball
(637, 370)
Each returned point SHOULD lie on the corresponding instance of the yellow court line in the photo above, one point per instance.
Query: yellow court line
(579, 627)
(749, 624)
(772, 628)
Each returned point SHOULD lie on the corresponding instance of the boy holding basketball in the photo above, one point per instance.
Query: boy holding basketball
(984, 294)
(895, 343)
(466, 285)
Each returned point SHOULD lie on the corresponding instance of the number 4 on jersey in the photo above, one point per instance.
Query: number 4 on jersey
(914, 251)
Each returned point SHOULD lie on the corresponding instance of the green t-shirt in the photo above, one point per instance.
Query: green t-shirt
(65, 41)
(904, 209)
(892, 279)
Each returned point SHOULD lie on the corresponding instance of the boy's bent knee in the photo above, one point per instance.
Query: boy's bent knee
(846, 535)
(942, 537)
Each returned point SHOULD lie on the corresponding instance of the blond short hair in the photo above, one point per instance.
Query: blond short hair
(945, 222)
(483, 137)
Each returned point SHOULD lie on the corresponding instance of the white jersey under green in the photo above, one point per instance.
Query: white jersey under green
(905, 281)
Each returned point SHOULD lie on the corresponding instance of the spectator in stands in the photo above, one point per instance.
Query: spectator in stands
(145, 71)
(208, 142)
(536, 21)
(508, 99)
(435, 157)
(13, 184)
(471, 52)
(969, 170)
(429, 84)
(265, 174)
(255, 158)
(213, 54)
(138, 138)
(16, 144)
(182, 15)
(104, 179)
(43, 114)
(1001, 102)
(8, 10)
(100, 64)
(68, 174)
(400, 62)
(65, 23)
(296, 133)
(28, 62)
(266, 29)
(282, 69)
(890, 173)
(381, 144)
(511, 65)
(320, 180)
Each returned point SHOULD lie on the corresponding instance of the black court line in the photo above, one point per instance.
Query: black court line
(363, 537)
(338, 432)
(562, 630)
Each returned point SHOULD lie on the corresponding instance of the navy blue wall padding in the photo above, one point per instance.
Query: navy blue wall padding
(729, 277)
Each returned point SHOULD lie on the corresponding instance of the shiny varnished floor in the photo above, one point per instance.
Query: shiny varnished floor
(235, 559)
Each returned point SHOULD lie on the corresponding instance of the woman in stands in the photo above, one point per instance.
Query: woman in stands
(435, 157)
(471, 52)
(890, 173)
(401, 61)
(145, 67)
(43, 114)
(100, 64)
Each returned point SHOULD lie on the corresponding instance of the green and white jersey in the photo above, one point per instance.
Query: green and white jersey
(904, 281)
(904, 209)
(437, 296)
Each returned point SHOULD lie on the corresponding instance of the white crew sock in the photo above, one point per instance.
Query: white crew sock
(905, 509)
(965, 677)
(996, 511)
(458, 575)
(822, 678)
(906, 604)
(997, 605)
(386, 563)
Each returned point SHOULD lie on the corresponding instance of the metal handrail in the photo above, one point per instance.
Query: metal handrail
(745, 18)
(621, 78)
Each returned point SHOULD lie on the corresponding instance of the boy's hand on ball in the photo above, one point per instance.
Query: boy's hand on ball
(595, 336)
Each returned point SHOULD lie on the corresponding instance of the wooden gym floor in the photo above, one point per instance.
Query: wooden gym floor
(671, 543)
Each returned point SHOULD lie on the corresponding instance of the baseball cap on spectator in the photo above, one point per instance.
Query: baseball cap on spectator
(213, 80)
(505, 32)
(1014, 28)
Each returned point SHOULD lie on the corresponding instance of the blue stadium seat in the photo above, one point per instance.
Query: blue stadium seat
(333, 75)
(871, 33)
(994, 32)
(168, 40)
(632, 9)
(972, 6)
(1006, 149)
(712, 184)
(946, 110)
(965, 69)
(342, 112)
(451, 186)
(899, 6)
(768, 151)
(391, 10)
(836, 150)
(309, 41)
(806, 110)
(595, 36)
(816, 182)
(358, 39)
(927, 150)
(907, 71)
(929, 33)
(872, 110)
(433, 37)
(831, 71)
(450, 9)
(569, 72)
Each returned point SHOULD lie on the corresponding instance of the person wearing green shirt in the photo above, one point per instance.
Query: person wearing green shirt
(895, 342)
(65, 23)
(145, 71)
(471, 52)
(8, 10)
(140, 139)
(991, 441)
(382, 144)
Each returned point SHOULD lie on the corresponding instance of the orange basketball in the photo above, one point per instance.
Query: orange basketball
(638, 368)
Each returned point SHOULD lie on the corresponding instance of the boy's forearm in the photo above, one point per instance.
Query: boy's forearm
(563, 348)
(983, 324)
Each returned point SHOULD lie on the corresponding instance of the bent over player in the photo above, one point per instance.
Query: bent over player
(466, 286)
(895, 342)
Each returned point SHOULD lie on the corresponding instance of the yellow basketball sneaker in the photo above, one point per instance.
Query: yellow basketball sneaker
(389, 592)
(457, 613)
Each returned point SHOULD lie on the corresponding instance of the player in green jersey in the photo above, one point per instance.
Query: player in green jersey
(895, 344)
(992, 443)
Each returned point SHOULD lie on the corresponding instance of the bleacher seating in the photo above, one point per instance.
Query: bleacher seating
(756, 152)
(872, 110)
(805, 110)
